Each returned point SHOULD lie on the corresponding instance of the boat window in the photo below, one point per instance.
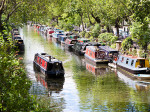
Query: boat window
(73, 41)
(142, 63)
(45, 64)
(132, 62)
(127, 61)
(90, 53)
(41, 62)
(122, 59)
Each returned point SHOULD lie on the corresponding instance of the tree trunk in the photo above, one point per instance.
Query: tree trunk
(108, 29)
(97, 19)
(82, 22)
(117, 26)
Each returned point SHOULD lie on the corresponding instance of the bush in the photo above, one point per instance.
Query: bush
(96, 30)
(109, 38)
(82, 34)
(127, 43)
(87, 35)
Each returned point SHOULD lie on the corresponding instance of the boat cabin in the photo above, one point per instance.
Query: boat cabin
(95, 55)
(48, 65)
(69, 43)
(74, 36)
(133, 64)
(62, 39)
(83, 40)
(80, 48)
(112, 54)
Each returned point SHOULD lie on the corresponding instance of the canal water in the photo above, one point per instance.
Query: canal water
(85, 87)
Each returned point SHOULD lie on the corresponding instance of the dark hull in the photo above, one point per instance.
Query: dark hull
(95, 63)
(55, 39)
(69, 47)
(128, 74)
(52, 73)
(134, 71)
(79, 53)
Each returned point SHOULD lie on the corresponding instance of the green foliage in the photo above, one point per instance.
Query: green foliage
(141, 34)
(113, 46)
(82, 34)
(109, 38)
(96, 30)
(87, 34)
(14, 95)
(127, 43)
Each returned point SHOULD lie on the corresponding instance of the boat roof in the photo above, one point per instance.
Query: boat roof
(83, 39)
(94, 43)
(93, 48)
(132, 57)
(63, 36)
(107, 48)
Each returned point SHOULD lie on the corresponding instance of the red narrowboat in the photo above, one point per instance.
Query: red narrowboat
(69, 43)
(48, 65)
(95, 55)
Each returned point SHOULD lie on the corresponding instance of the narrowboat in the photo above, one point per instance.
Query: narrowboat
(83, 40)
(110, 53)
(74, 36)
(96, 69)
(49, 32)
(56, 34)
(48, 65)
(80, 48)
(62, 39)
(96, 55)
(133, 64)
(69, 43)
(18, 42)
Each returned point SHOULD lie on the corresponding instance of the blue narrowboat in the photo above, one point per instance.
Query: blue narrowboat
(56, 34)
(133, 64)
(62, 39)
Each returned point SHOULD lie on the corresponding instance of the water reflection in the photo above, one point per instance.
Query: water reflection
(53, 85)
(135, 84)
(81, 90)
(97, 69)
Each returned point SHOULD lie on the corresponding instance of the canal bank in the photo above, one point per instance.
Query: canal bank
(81, 90)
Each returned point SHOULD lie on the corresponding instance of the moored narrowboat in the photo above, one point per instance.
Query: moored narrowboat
(133, 64)
(112, 54)
(80, 48)
(69, 43)
(49, 32)
(56, 34)
(74, 36)
(83, 40)
(62, 39)
(48, 65)
(96, 55)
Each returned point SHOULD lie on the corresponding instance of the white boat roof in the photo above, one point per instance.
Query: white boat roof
(107, 48)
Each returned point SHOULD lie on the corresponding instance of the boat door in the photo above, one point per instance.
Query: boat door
(142, 63)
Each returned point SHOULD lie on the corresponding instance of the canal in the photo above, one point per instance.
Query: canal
(86, 87)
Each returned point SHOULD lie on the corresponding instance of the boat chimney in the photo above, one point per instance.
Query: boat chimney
(49, 58)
